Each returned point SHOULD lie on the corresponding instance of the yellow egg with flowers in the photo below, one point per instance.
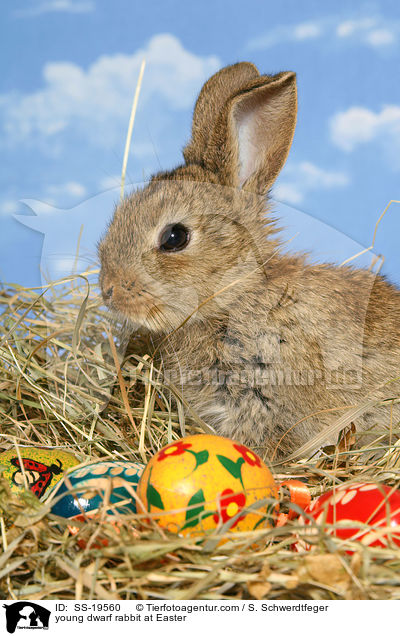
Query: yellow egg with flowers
(202, 482)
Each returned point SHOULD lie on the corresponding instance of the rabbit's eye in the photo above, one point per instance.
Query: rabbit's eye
(174, 238)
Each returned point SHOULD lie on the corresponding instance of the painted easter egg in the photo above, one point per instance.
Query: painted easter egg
(41, 470)
(201, 482)
(369, 513)
(85, 488)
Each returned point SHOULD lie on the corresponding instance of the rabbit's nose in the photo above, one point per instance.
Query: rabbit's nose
(107, 293)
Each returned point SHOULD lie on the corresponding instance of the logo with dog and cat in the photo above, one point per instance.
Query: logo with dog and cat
(26, 615)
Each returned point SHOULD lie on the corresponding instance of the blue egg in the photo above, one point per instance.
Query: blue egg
(85, 488)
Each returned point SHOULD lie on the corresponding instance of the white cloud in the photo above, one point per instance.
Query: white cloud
(288, 33)
(380, 37)
(9, 206)
(347, 28)
(56, 6)
(64, 266)
(307, 30)
(70, 189)
(112, 181)
(372, 30)
(359, 125)
(375, 31)
(300, 179)
(95, 103)
(288, 192)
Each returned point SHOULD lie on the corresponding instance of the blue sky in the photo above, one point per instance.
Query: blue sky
(69, 70)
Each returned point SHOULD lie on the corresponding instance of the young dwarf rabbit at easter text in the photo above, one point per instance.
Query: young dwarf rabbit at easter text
(272, 349)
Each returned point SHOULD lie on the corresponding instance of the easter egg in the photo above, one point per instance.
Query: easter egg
(41, 470)
(201, 482)
(84, 489)
(369, 513)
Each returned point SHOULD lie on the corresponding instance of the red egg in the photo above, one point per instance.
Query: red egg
(374, 510)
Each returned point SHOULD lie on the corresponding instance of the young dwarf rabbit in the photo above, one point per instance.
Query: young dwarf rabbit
(266, 348)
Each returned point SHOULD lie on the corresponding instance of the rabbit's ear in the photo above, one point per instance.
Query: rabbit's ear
(213, 96)
(253, 135)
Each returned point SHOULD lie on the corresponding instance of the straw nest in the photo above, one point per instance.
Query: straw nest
(64, 384)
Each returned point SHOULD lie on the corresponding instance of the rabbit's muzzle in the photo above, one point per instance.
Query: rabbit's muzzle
(125, 295)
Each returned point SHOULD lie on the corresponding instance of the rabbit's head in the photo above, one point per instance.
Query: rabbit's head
(174, 245)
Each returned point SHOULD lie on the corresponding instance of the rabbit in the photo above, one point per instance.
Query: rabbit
(266, 348)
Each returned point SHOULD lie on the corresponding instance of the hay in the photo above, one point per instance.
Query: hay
(64, 385)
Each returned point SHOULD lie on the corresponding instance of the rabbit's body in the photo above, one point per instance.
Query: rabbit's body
(265, 347)
(253, 380)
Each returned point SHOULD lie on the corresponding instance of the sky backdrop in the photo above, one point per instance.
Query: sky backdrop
(68, 73)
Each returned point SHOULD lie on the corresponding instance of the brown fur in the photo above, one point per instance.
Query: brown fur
(283, 339)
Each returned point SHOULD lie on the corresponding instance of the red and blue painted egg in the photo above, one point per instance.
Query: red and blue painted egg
(88, 488)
